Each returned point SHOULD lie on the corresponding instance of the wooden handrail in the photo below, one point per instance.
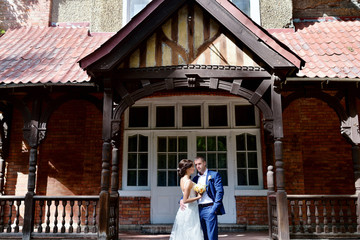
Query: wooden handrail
(78, 197)
(307, 196)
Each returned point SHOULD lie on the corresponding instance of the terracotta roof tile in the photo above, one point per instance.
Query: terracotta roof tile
(330, 47)
(46, 55)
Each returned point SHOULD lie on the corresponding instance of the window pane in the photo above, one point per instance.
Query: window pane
(132, 147)
(161, 178)
(143, 143)
(218, 116)
(172, 161)
(243, 5)
(200, 144)
(240, 142)
(132, 160)
(252, 159)
(211, 160)
(165, 116)
(253, 177)
(191, 116)
(211, 143)
(221, 143)
(131, 179)
(242, 177)
(251, 142)
(172, 146)
(143, 177)
(182, 144)
(138, 117)
(143, 161)
(182, 156)
(162, 144)
(223, 174)
(161, 161)
(135, 6)
(172, 178)
(241, 160)
(244, 115)
(203, 155)
(222, 160)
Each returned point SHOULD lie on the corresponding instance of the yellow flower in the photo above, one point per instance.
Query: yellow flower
(199, 188)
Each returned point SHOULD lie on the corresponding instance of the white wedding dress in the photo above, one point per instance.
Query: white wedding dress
(187, 222)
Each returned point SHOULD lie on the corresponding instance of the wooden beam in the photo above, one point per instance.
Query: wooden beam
(259, 92)
(235, 86)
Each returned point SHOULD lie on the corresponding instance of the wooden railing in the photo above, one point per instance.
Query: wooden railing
(325, 216)
(62, 216)
(11, 221)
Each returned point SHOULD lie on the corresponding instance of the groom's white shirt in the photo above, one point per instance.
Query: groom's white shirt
(205, 197)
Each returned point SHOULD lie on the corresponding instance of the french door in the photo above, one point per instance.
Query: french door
(169, 148)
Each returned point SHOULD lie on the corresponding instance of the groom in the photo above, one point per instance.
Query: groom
(210, 204)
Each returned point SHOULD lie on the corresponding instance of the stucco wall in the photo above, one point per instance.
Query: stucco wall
(104, 15)
(271, 8)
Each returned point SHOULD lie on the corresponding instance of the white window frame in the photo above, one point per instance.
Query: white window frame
(255, 11)
(204, 102)
(125, 12)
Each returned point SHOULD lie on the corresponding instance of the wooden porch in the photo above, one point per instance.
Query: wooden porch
(313, 216)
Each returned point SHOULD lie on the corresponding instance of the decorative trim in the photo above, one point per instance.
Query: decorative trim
(127, 193)
(251, 193)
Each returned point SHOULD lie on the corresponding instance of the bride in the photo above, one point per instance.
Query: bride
(187, 222)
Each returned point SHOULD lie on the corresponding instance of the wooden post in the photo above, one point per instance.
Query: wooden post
(104, 198)
(114, 195)
(2, 171)
(281, 196)
(356, 162)
(271, 191)
(31, 134)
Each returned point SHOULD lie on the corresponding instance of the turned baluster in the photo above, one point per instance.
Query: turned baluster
(41, 204)
(317, 220)
(55, 229)
(78, 229)
(2, 216)
(301, 221)
(63, 229)
(71, 216)
(349, 216)
(94, 230)
(326, 227)
(86, 229)
(47, 228)
(358, 214)
(18, 203)
(308, 215)
(333, 220)
(11, 203)
(293, 228)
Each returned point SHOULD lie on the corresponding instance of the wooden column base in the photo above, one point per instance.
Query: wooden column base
(28, 216)
(104, 204)
(283, 220)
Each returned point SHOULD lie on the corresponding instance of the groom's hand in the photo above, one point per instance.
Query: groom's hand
(182, 205)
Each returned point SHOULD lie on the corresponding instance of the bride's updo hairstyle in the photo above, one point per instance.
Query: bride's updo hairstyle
(184, 165)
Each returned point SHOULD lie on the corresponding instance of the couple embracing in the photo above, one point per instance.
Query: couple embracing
(196, 218)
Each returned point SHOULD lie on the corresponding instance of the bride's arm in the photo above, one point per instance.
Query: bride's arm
(186, 198)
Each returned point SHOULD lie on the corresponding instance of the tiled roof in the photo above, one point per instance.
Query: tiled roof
(331, 49)
(40, 55)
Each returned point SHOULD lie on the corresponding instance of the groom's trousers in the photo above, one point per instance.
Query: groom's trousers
(209, 223)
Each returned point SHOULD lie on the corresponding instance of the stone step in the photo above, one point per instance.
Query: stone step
(166, 228)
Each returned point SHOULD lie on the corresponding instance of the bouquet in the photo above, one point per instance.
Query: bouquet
(199, 188)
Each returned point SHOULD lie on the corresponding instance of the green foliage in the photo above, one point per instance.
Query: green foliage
(2, 31)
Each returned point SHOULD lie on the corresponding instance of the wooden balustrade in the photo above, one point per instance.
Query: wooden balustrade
(58, 215)
(53, 217)
(11, 210)
(324, 215)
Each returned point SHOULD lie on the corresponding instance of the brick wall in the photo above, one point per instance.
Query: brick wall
(251, 210)
(321, 8)
(19, 13)
(134, 210)
(317, 158)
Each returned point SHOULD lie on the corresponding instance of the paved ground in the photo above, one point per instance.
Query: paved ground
(228, 236)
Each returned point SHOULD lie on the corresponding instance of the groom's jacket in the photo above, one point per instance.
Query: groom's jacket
(215, 190)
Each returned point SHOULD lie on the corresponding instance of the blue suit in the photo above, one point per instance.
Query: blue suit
(208, 215)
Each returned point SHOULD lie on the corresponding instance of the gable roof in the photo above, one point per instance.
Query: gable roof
(330, 47)
(275, 54)
(42, 55)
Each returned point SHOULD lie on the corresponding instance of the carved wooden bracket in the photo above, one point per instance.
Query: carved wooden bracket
(269, 126)
(350, 129)
(33, 135)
